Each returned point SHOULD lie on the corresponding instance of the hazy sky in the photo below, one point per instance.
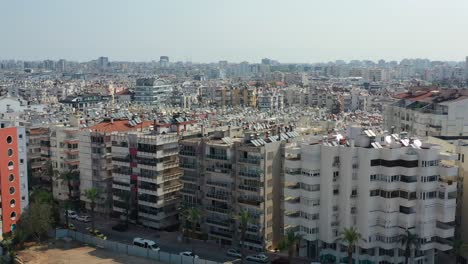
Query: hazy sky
(235, 30)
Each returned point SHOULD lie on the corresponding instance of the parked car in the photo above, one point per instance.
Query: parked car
(72, 227)
(96, 233)
(71, 214)
(261, 258)
(145, 243)
(120, 227)
(232, 252)
(83, 218)
(188, 254)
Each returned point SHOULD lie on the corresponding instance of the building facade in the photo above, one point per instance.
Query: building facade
(382, 185)
(146, 178)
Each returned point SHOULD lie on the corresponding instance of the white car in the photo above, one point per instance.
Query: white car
(145, 243)
(261, 258)
(71, 214)
(83, 218)
(188, 254)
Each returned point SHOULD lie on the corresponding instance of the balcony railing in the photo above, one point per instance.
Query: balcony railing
(218, 196)
(217, 157)
(248, 201)
(251, 160)
(218, 210)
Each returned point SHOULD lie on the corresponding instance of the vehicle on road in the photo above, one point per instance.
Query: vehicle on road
(145, 243)
(120, 227)
(71, 214)
(232, 252)
(83, 218)
(188, 254)
(96, 233)
(260, 258)
(72, 227)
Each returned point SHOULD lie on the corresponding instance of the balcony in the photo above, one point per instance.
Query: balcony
(219, 196)
(250, 201)
(448, 156)
(121, 159)
(217, 157)
(444, 230)
(251, 174)
(218, 210)
(251, 160)
(250, 188)
(172, 188)
(219, 222)
(222, 234)
(218, 184)
(189, 166)
(447, 170)
(187, 153)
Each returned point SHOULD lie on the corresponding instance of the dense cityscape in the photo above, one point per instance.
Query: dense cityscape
(262, 161)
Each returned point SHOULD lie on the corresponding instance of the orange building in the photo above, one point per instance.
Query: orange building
(9, 179)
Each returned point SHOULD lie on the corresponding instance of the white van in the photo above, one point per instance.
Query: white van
(145, 243)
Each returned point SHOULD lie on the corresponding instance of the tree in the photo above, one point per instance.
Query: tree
(458, 247)
(193, 216)
(92, 195)
(39, 219)
(8, 244)
(409, 240)
(351, 237)
(244, 218)
(289, 242)
(67, 176)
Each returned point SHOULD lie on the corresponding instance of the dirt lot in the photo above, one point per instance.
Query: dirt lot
(60, 252)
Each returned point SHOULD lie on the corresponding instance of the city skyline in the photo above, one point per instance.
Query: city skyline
(303, 32)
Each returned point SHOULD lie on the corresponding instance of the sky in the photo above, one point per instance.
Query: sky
(301, 31)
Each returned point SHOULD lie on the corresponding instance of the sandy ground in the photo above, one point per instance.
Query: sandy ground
(60, 252)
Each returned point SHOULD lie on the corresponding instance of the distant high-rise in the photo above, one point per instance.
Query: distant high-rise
(466, 67)
(266, 61)
(164, 61)
(61, 65)
(102, 62)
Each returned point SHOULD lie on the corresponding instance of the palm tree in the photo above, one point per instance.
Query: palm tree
(351, 237)
(92, 195)
(244, 218)
(67, 176)
(409, 240)
(289, 243)
(458, 247)
(193, 215)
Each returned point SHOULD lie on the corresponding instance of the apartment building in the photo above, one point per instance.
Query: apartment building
(39, 155)
(380, 184)
(429, 111)
(21, 143)
(355, 100)
(146, 171)
(13, 177)
(152, 91)
(95, 148)
(64, 156)
(270, 100)
(234, 170)
(458, 146)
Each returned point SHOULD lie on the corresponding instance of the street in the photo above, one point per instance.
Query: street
(167, 241)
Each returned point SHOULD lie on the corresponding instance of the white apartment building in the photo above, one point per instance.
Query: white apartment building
(429, 112)
(270, 101)
(95, 150)
(64, 155)
(382, 185)
(152, 91)
(146, 166)
(355, 100)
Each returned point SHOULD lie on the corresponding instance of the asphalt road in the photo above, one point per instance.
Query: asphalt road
(167, 241)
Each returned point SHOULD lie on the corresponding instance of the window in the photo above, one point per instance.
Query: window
(20, 135)
(12, 190)
(10, 152)
(12, 203)
(13, 216)
(11, 177)
(9, 139)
